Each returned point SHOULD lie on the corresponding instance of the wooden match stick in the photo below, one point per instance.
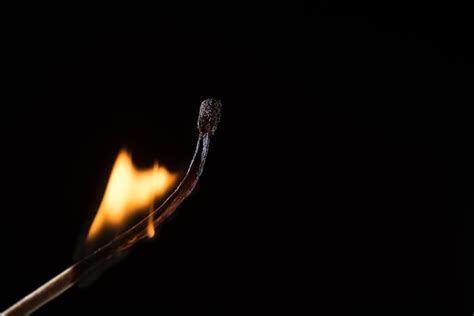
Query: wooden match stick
(209, 116)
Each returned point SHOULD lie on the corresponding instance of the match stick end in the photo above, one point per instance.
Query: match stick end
(209, 116)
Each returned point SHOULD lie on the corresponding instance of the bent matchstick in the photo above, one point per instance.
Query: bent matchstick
(209, 117)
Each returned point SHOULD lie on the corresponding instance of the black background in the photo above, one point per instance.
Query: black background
(337, 181)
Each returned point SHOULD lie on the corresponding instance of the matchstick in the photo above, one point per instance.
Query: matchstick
(209, 116)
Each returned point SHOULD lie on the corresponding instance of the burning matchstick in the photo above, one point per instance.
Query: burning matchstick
(209, 116)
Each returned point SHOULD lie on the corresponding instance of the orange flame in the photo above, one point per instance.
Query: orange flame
(150, 228)
(128, 192)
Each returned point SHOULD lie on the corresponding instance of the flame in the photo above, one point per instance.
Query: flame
(128, 192)
(150, 229)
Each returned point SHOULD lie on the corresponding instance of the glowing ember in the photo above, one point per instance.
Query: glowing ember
(130, 191)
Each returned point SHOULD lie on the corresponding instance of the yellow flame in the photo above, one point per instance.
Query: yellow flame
(150, 229)
(129, 191)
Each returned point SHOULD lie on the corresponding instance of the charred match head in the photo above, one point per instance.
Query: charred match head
(209, 116)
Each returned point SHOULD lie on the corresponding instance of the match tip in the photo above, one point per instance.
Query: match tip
(209, 116)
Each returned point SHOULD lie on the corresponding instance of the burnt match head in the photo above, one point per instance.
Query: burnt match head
(209, 116)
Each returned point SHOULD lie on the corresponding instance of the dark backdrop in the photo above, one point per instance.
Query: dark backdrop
(336, 181)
